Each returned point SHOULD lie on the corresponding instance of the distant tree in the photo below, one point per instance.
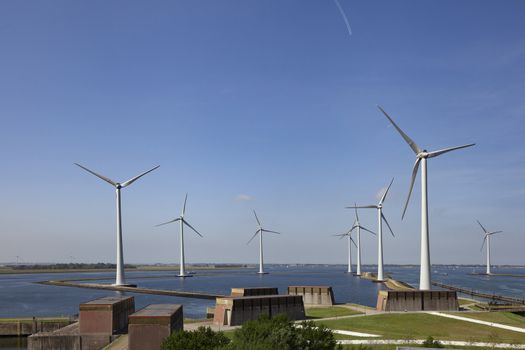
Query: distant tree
(201, 339)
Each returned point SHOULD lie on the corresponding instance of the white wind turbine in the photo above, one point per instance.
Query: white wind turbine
(358, 226)
(350, 240)
(182, 221)
(380, 218)
(487, 239)
(120, 278)
(421, 157)
(260, 231)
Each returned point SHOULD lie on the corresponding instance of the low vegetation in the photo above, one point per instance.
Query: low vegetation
(276, 333)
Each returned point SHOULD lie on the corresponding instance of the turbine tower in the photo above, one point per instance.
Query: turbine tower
(120, 279)
(348, 234)
(359, 227)
(182, 221)
(380, 218)
(260, 231)
(421, 158)
(487, 239)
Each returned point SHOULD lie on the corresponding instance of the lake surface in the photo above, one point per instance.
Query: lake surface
(20, 297)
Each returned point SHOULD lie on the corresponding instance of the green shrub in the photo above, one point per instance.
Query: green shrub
(431, 343)
(280, 334)
(201, 339)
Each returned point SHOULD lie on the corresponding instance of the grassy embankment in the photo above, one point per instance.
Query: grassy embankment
(421, 326)
(330, 311)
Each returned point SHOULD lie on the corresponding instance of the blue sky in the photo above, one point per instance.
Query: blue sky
(258, 104)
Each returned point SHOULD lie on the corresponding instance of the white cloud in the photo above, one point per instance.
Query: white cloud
(243, 198)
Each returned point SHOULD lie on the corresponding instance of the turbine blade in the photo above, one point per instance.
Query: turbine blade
(353, 241)
(264, 230)
(491, 233)
(414, 174)
(386, 222)
(256, 218)
(364, 228)
(386, 192)
(483, 228)
(184, 206)
(441, 151)
(132, 180)
(408, 140)
(168, 222)
(363, 206)
(108, 180)
(356, 215)
(484, 239)
(187, 224)
(256, 232)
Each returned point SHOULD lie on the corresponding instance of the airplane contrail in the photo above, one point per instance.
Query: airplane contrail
(344, 17)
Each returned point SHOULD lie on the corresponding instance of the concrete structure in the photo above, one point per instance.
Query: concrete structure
(66, 338)
(107, 315)
(250, 292)
(25, 327)
(99, 323)
(151, 325)
(234, 311)
(314, 295)
(417, 300)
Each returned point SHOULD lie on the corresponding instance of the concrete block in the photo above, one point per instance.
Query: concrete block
(314, 295)
(151, 325)
(249, 292)
(235, 311)
(107, 315)
(417, 300)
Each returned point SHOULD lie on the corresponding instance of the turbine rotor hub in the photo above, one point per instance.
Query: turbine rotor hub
(422, 154)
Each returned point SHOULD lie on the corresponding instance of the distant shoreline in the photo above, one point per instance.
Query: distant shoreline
(140, 268)
(67, 268)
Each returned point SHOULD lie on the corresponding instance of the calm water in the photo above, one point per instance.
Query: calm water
(19, 296)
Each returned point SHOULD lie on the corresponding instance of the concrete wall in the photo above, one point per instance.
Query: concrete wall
(235, 311)
(66, 338)
(151, 325)
(417, 300)
(314, 295)
(19, 328)
(249, 292)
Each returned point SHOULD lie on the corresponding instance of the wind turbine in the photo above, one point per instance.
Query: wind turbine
(260, 231)
(487, 239)
(357, 225)
(348, 234)
(421, 158)
(380, 219)
(182, 221)
(120, 278)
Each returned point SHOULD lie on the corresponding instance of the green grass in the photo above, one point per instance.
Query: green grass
(333, 311)
(466, 301)
(420, 326)
(507, 318)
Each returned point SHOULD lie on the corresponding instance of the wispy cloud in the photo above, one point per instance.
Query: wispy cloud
(243, 198)
(347, 23)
